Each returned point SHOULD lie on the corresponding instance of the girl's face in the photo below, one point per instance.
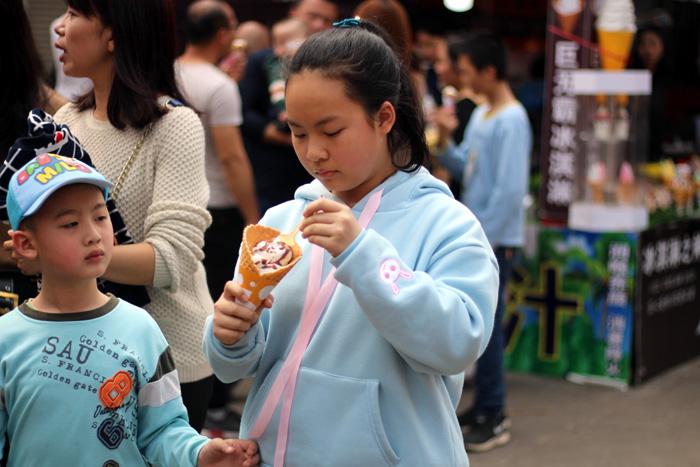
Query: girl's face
(651, 49)
(334, 138)
(86, 44)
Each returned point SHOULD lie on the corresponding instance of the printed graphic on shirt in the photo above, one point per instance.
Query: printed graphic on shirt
(390, 272)
(106, 369)
(115, 389)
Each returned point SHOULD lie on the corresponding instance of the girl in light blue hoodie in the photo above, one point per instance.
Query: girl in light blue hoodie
(360, 359)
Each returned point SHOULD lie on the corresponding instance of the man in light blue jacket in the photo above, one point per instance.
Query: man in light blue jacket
(493, 162)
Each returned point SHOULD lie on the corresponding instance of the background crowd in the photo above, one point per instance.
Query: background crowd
(201, 125)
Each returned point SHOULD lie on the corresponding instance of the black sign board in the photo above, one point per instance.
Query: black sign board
(667, 314)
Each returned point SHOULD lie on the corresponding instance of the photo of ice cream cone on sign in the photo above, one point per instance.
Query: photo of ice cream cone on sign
(568, 13)
(616, 26)
(596, 179)
(627, 186)
(267, 255)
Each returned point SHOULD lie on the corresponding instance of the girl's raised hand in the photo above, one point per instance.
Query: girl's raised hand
(330, 225)
(231, 319)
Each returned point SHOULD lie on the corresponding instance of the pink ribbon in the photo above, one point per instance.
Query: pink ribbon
(317, 297)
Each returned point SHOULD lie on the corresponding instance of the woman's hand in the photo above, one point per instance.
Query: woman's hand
(330, 225)
(231, 319)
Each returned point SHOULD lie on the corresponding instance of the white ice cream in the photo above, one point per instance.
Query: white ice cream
(567, 7)
(616, 15)
(271, 255)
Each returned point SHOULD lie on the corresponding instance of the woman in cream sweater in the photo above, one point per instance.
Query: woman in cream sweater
(141, 137)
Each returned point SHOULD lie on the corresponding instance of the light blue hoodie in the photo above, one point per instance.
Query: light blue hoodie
(383, 373)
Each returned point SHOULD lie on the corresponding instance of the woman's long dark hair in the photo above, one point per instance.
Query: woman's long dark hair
(144, 53)
(21, 77)
(362, 58)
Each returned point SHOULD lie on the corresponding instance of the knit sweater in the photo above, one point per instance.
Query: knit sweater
(163, 201)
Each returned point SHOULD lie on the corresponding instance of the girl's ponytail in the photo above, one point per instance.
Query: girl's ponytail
(408, 133)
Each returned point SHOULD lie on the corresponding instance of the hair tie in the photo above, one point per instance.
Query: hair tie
(347, 23)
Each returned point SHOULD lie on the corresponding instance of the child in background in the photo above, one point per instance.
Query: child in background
(87, 371)
(493, 162)
(368, 368)
(287, 37)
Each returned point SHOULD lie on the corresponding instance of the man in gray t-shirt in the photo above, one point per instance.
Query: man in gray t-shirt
(211, 26)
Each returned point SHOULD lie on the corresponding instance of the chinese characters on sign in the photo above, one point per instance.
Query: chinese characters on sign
(559, 142)
(667, 258)
(562, 141)
(616, 325)
(667, 316)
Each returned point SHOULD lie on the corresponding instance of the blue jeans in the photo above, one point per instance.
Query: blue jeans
(490, 385)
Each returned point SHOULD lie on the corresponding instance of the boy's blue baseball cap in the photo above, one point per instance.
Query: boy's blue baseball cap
(39, 178)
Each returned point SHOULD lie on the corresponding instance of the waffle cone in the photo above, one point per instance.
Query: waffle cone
(597, 192)
(568, 22)
(615, 48)
(259, 285)
(627, 193)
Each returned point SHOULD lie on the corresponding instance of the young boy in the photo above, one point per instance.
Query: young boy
(85, 378)
(493, 162)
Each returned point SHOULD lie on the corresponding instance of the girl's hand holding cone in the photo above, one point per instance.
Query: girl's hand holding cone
(231, 319)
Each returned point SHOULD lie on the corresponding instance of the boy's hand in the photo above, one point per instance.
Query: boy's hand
(330, 225)
(228, 453)
(232, 320)
(446, 121)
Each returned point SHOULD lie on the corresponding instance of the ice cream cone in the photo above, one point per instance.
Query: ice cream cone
(259, 285)
(597, 192)
(627, 186)
(596, 180)
(568, 22)
(616, 25)
(568, 13)
(614, 53)
(615, 48)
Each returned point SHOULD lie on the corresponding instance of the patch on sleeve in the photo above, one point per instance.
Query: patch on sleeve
(390, 272)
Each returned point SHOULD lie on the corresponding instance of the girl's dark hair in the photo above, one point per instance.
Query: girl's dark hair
(362, 58)
(21, 77)
(664, 68)
(144, 53)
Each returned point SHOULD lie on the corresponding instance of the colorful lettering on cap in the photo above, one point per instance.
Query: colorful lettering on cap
(49, 166)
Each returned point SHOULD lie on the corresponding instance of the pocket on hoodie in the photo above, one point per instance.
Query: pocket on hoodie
(337, 421)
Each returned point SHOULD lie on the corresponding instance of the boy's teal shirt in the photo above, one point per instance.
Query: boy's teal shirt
(383, 373)
(52, 370)
(493, 162)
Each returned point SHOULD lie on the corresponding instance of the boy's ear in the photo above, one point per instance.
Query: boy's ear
(490, 71)
(107, 32)
(24, 245)
(386, 117)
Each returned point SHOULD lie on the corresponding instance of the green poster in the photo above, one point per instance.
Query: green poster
(570, 307)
